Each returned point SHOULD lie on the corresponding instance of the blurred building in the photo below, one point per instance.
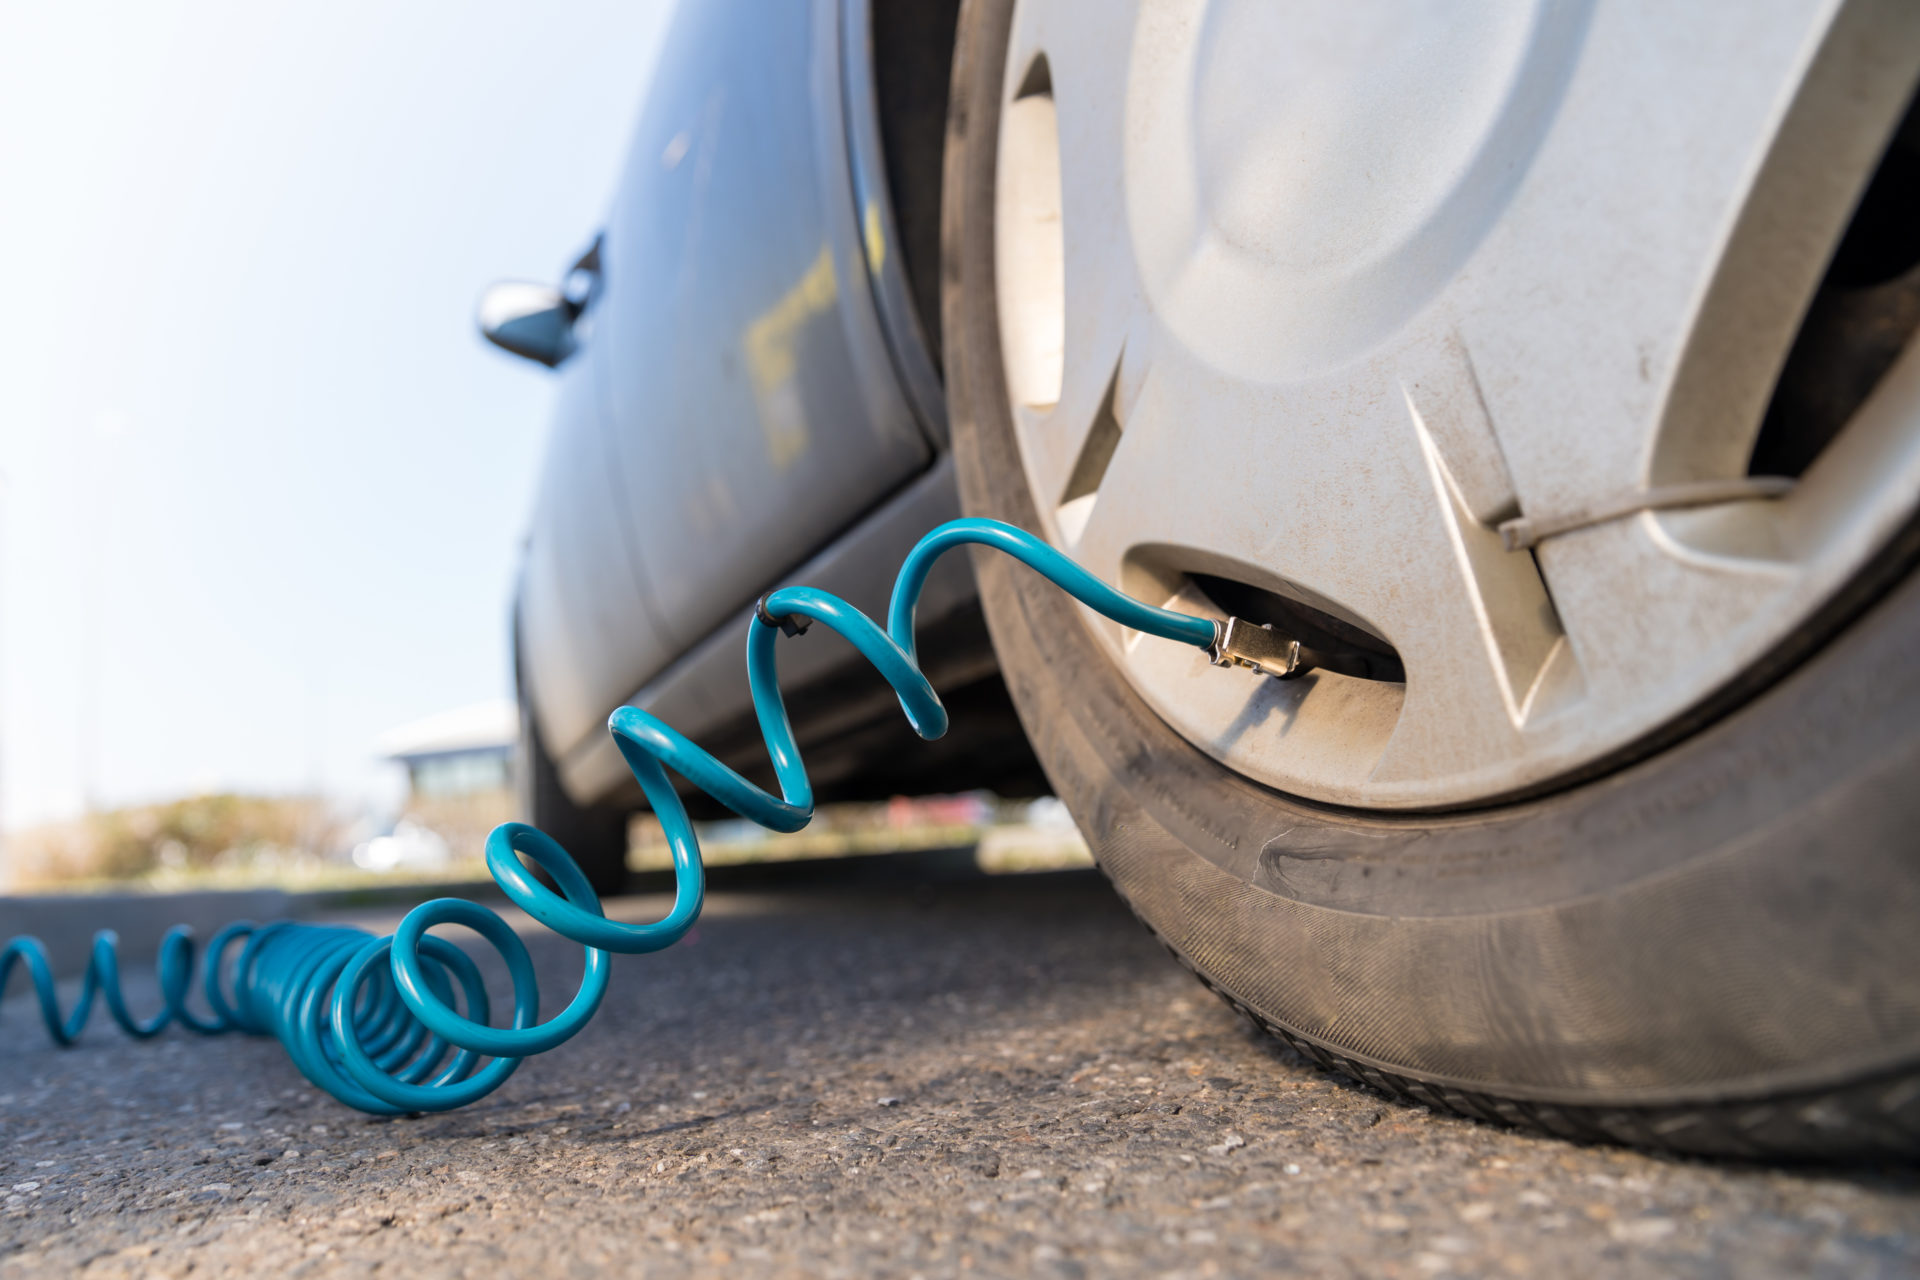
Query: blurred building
(456, 753)
(460, 786)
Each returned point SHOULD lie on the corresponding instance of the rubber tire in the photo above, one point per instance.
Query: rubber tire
(595, 835)
(1713, 950)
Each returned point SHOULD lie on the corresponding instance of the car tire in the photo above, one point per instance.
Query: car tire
(1713, 948)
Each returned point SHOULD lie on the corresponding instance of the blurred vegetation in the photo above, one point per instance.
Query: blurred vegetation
(203, 831)
(192, 838)
(227, 840)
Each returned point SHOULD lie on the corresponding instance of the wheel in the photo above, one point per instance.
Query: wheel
(596, 835)
(1281, 312)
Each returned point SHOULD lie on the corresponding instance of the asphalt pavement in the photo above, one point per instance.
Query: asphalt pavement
(994, 1075)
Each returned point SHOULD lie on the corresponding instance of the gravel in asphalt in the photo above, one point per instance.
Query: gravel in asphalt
(1002, 1076)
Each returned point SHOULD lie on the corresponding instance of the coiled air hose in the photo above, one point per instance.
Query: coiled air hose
(372, 1020)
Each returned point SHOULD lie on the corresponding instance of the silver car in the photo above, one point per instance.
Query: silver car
(1546, 366)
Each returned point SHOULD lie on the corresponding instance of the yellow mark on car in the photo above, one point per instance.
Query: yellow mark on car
(771, 342)
(876, 242)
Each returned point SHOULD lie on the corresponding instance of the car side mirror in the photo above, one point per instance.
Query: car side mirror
(540, 322)
(534, 321)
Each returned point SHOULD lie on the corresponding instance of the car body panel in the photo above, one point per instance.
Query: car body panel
(584, 617)
(753, 399)
(753, 409)
(705, 690)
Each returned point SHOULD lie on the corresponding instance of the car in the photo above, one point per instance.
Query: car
(1545, 369)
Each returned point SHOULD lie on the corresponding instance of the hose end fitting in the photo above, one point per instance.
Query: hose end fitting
(792, 624)
(1239, 643)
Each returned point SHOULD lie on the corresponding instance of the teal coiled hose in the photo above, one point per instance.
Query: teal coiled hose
(372, 1020)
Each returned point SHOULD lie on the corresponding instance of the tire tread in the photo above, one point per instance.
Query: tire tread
(1875, 1116)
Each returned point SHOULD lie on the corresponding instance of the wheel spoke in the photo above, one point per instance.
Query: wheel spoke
(1106, 321)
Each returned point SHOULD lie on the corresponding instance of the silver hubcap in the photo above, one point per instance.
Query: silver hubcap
(1307, 299)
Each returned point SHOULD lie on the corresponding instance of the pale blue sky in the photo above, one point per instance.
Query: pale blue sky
(261, 478)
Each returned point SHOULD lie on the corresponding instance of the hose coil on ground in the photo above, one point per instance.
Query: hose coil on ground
(373, 1020)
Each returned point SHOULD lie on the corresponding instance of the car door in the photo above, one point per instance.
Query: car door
(585, 625)
(752, 408)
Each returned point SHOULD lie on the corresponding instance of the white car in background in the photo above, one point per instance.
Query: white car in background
(1546, 366)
